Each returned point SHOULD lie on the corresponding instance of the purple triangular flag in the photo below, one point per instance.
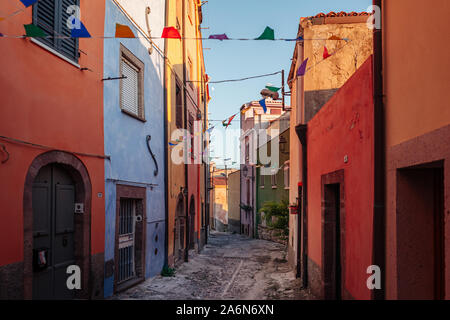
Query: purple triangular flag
(302, 69)
(220, 37)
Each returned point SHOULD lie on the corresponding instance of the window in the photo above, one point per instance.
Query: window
(274, 179)
(191, 131)
(179, 107)
(261, 179)
(190, 72)
(51, 16)
(131, 87)
(286, 175)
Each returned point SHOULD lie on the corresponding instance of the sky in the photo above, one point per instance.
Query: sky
(239, 59)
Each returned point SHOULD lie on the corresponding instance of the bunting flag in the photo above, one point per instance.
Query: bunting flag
(173, 144)
(298, 39)
(220, 37)
(333, 37)
(123, 31)
(28, 3)
(1, 34)
(210, 130)
(229, 122)
(326, 55)
(81, 32)
(263, 104)
(34, 31)
(268, 34)
(273, 89)
(302, 69)
(170, 33)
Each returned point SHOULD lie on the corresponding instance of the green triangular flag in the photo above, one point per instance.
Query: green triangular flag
(268, 34)
(34, 31)
(273, 89)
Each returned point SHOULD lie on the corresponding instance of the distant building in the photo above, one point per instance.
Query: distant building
(253, 119)
(234, 194)
(273, 186)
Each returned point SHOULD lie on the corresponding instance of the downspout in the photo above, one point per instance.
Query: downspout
(379, 218)
(206, 166)
(301, 131)
(186, 155)
(166, 149)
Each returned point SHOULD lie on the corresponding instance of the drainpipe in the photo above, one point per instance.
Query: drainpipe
(379, 213)
(186, 154)
(301, 131)
(166, 150)
(206, 166)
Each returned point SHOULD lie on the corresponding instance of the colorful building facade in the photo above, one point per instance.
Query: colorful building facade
(416, 151)
(53, 159)
(134, 127)
(350, 45)
(186, 100)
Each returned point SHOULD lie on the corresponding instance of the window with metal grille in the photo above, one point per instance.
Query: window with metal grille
(131, 86)
(52, 17)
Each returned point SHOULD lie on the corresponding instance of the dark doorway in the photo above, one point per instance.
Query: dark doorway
(53, 232)
(332, 233)
(179, 230)
(192, 224)
(420, 229)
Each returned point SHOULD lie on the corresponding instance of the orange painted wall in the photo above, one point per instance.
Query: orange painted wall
(344, 127)
(48, 101)
(416, 66)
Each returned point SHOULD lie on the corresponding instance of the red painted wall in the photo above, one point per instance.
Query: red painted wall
(344, 126)
(48, 101)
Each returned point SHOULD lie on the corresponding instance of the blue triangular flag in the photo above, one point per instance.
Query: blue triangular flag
(263, 104)
(298, 39)
(28, 3)
(80, 32)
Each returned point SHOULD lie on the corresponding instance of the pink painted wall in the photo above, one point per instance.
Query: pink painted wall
(344, 127)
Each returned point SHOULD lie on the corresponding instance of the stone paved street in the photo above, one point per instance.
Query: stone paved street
(230, 267)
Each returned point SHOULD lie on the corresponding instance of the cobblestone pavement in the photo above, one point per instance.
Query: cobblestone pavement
(229, 267)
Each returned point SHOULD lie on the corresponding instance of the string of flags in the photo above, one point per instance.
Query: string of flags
(79, 30)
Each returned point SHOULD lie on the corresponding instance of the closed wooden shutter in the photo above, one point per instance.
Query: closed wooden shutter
(52, 17)
(68, 47)
(130, 88)
(45, 18)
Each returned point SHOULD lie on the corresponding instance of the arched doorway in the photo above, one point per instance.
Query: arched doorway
(192, 223)
(54, 235)
(178, 249)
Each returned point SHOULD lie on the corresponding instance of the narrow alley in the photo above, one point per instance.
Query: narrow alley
(230, 267)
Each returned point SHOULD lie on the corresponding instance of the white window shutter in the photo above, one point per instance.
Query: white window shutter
(130, 89)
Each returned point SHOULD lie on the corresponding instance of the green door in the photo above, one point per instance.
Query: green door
(53, 232)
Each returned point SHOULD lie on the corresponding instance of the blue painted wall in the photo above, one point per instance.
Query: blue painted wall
(125, 142)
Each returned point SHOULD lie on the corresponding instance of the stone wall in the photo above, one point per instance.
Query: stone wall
(271, 234)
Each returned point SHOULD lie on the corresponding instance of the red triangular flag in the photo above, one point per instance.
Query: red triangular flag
(170, 33)
(325, 53)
